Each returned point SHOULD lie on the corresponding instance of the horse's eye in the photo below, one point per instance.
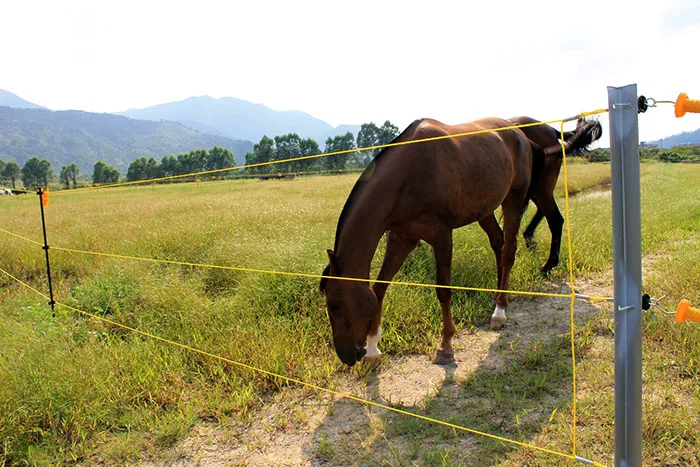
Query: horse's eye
(333, 308)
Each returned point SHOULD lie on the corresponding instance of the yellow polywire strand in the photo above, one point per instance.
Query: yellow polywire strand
(311, 276)
(21, 237)
(571, 286)
(303, 383)
(300, 274)
(334, 153)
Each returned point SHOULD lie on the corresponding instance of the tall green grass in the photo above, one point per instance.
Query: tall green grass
(76, 389)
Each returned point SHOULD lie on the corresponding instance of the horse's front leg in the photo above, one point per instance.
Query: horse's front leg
(443, 263)
(397, 248)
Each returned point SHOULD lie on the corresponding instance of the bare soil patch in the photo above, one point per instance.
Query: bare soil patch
(299, 427)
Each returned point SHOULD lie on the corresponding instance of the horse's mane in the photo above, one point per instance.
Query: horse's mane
(364, 178)
(577, 142)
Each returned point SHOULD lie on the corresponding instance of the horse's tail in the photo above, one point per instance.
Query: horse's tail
(577, 142)
(538, 159)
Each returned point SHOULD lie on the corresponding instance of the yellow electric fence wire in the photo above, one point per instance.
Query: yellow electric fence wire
(306, 275)
(21, 237)
(305, 384)
(327, 154)
(573, 291)
(311, 276)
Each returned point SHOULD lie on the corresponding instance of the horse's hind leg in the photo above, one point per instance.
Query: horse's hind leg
(397, 248)
(512, 211)
(442, 246)
(556, 223)
(530, 230)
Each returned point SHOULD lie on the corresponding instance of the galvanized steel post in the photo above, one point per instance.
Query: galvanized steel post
(627, 266)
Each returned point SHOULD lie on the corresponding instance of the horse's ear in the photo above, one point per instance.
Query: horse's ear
(330, 270)
(331, 263)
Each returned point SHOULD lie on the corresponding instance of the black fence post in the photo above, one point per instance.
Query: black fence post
(43, 198)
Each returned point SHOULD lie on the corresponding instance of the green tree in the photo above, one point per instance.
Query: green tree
(36, 173)
(220, 158)
(387, 133)
(11, 172)
(367, 136)
(309, 147)
(2, 167)
(137, 170)
(169, 166)
(64, 177)
(45, 172)
(69, 173)
(263, 152)
(103, 173)
(192, 162)
(339, 143)
(287, 147)
(153, 169)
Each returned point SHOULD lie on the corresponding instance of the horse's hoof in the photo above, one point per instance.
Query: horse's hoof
(372, 361)
(497, 323)
(443, 357)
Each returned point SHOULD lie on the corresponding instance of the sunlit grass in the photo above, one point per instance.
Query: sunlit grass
(75, 389)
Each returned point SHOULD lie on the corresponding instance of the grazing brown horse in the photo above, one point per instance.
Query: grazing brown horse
(422, 192)
(542, 194)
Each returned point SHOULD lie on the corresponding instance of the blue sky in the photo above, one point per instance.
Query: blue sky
(359, 61)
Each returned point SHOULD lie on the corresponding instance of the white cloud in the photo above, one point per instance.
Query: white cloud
(351, 62)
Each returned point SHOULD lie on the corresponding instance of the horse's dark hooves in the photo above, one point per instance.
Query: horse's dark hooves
(372, 362)
(497, 323)
(443, 357)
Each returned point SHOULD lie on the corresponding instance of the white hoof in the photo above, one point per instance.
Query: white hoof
(498, 318)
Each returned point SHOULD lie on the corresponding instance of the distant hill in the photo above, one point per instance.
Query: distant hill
(239, 119)
(84, 138)
(13, 100)
(689, 137)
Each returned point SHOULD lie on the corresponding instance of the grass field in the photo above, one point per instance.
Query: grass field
(77, 390)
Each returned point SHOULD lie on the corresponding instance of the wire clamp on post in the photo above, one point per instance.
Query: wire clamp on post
(648, 302)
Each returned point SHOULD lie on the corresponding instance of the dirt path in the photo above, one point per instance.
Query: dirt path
(303, 428)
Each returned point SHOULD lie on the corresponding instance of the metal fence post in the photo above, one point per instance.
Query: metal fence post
(627, 265)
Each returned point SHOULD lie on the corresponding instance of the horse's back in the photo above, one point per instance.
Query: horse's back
(460, 179)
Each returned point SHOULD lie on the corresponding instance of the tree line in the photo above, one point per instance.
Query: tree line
(292, 146)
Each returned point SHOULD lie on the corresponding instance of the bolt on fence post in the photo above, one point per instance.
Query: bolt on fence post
(627, 266)
(52, 303)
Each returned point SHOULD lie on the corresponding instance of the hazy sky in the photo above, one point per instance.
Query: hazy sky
(358, 61)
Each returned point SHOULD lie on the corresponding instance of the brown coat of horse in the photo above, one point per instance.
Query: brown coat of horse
(542, 194)
(423, 191)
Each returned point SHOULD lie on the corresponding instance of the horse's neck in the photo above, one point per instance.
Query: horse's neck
(358, 243)
(363, 228)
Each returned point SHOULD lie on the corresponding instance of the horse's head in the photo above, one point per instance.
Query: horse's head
(352, 306)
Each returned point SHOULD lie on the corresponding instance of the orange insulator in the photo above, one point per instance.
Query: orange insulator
(684, 104)
(687, 312)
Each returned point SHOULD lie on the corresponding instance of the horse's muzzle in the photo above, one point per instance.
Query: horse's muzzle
(351, 354)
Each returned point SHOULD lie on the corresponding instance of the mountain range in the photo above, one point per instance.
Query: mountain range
(682, 139)
(69, 136)
(62, 137)
(239, 119)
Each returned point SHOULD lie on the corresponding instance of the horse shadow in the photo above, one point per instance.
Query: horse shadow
(511, 383)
